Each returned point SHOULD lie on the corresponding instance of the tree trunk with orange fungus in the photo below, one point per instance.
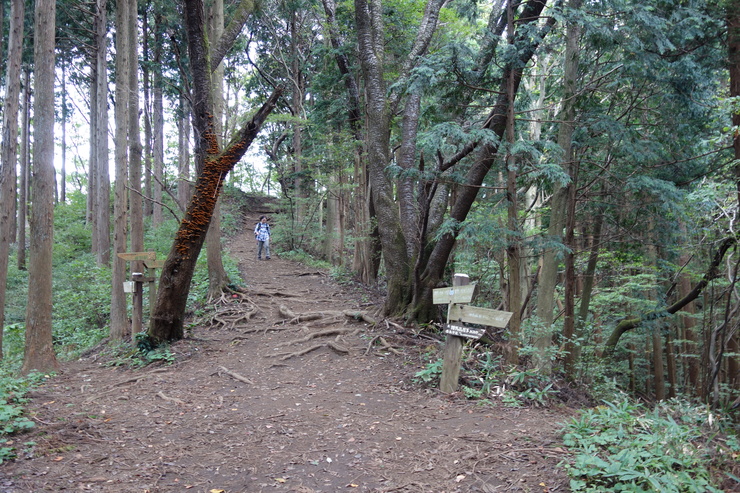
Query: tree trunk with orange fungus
(174, 284)
(212, 165)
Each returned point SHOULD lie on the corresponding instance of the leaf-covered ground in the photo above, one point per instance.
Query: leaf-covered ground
(279, 389)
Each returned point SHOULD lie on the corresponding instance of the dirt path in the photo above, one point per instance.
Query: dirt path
(236, 412)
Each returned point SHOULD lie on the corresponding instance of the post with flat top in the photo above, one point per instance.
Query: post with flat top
(453, 346)
(137, 285)
(463, 322)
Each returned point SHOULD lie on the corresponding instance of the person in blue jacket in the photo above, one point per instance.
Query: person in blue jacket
(262, 235)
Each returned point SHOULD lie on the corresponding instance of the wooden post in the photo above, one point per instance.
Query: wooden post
(151, 274)
(137, 307)
(453, 349)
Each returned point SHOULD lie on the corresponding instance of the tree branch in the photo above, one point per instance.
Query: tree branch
(632, 323)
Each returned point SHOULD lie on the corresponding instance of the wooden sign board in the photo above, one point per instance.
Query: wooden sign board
(154, 264)
(464, 331)
(457, 294)
(129, 256)
(477, 315)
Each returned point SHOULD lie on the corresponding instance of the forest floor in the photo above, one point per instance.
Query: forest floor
(279, 389)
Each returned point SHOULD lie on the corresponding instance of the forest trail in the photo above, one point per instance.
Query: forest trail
(257, 402)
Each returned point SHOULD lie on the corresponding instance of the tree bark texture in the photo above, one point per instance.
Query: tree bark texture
(369, 32)
(24, 169)
(158, 127)
(101, 182)
(9, 156)
(136, 203)
(39, 350)
(217, 277)
(119, 326)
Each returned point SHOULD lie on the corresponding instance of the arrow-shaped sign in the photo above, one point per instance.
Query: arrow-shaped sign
(477, 315)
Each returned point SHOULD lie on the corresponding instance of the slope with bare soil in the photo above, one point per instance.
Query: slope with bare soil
(282, 388)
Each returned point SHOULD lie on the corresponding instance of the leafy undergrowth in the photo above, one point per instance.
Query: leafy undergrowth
(13, 389)
(675, 447)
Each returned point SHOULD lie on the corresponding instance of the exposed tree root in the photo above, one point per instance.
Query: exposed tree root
(364, 316)
(317, 273)
(253, 330)
(323, 333)
(275, 294)
(229, 316)
(234, 375)
(384, 344)
(331, 344)
(286, 312)
(114, 387)
(170, 399)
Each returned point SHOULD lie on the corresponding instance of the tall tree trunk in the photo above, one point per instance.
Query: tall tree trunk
(63, 171)
(690, 351)
(408, 202)
(588, 281)
(101, 204)
(513, 250)
(569, 319)
(217, 277)
(559, 201)
(655, 328)
(168, 315)
(379, 110)
(92, 161)
(146, 78)
(733, 46)
(9, 157)
(671, 369)
(183, 154)
(158, 132)
(25, 159)
(39, 351)
(119, 326)
(136, 203)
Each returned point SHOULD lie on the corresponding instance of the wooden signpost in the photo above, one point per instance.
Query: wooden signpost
(138, 279)
(459, 314)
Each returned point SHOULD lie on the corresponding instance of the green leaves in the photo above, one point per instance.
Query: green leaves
(621, 446)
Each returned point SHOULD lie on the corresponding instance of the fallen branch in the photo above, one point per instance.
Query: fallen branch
(171, 399)
(235, 375)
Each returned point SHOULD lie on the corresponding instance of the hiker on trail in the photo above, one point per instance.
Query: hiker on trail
(262, 235)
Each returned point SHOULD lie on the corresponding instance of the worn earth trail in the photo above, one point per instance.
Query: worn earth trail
(278, 389)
